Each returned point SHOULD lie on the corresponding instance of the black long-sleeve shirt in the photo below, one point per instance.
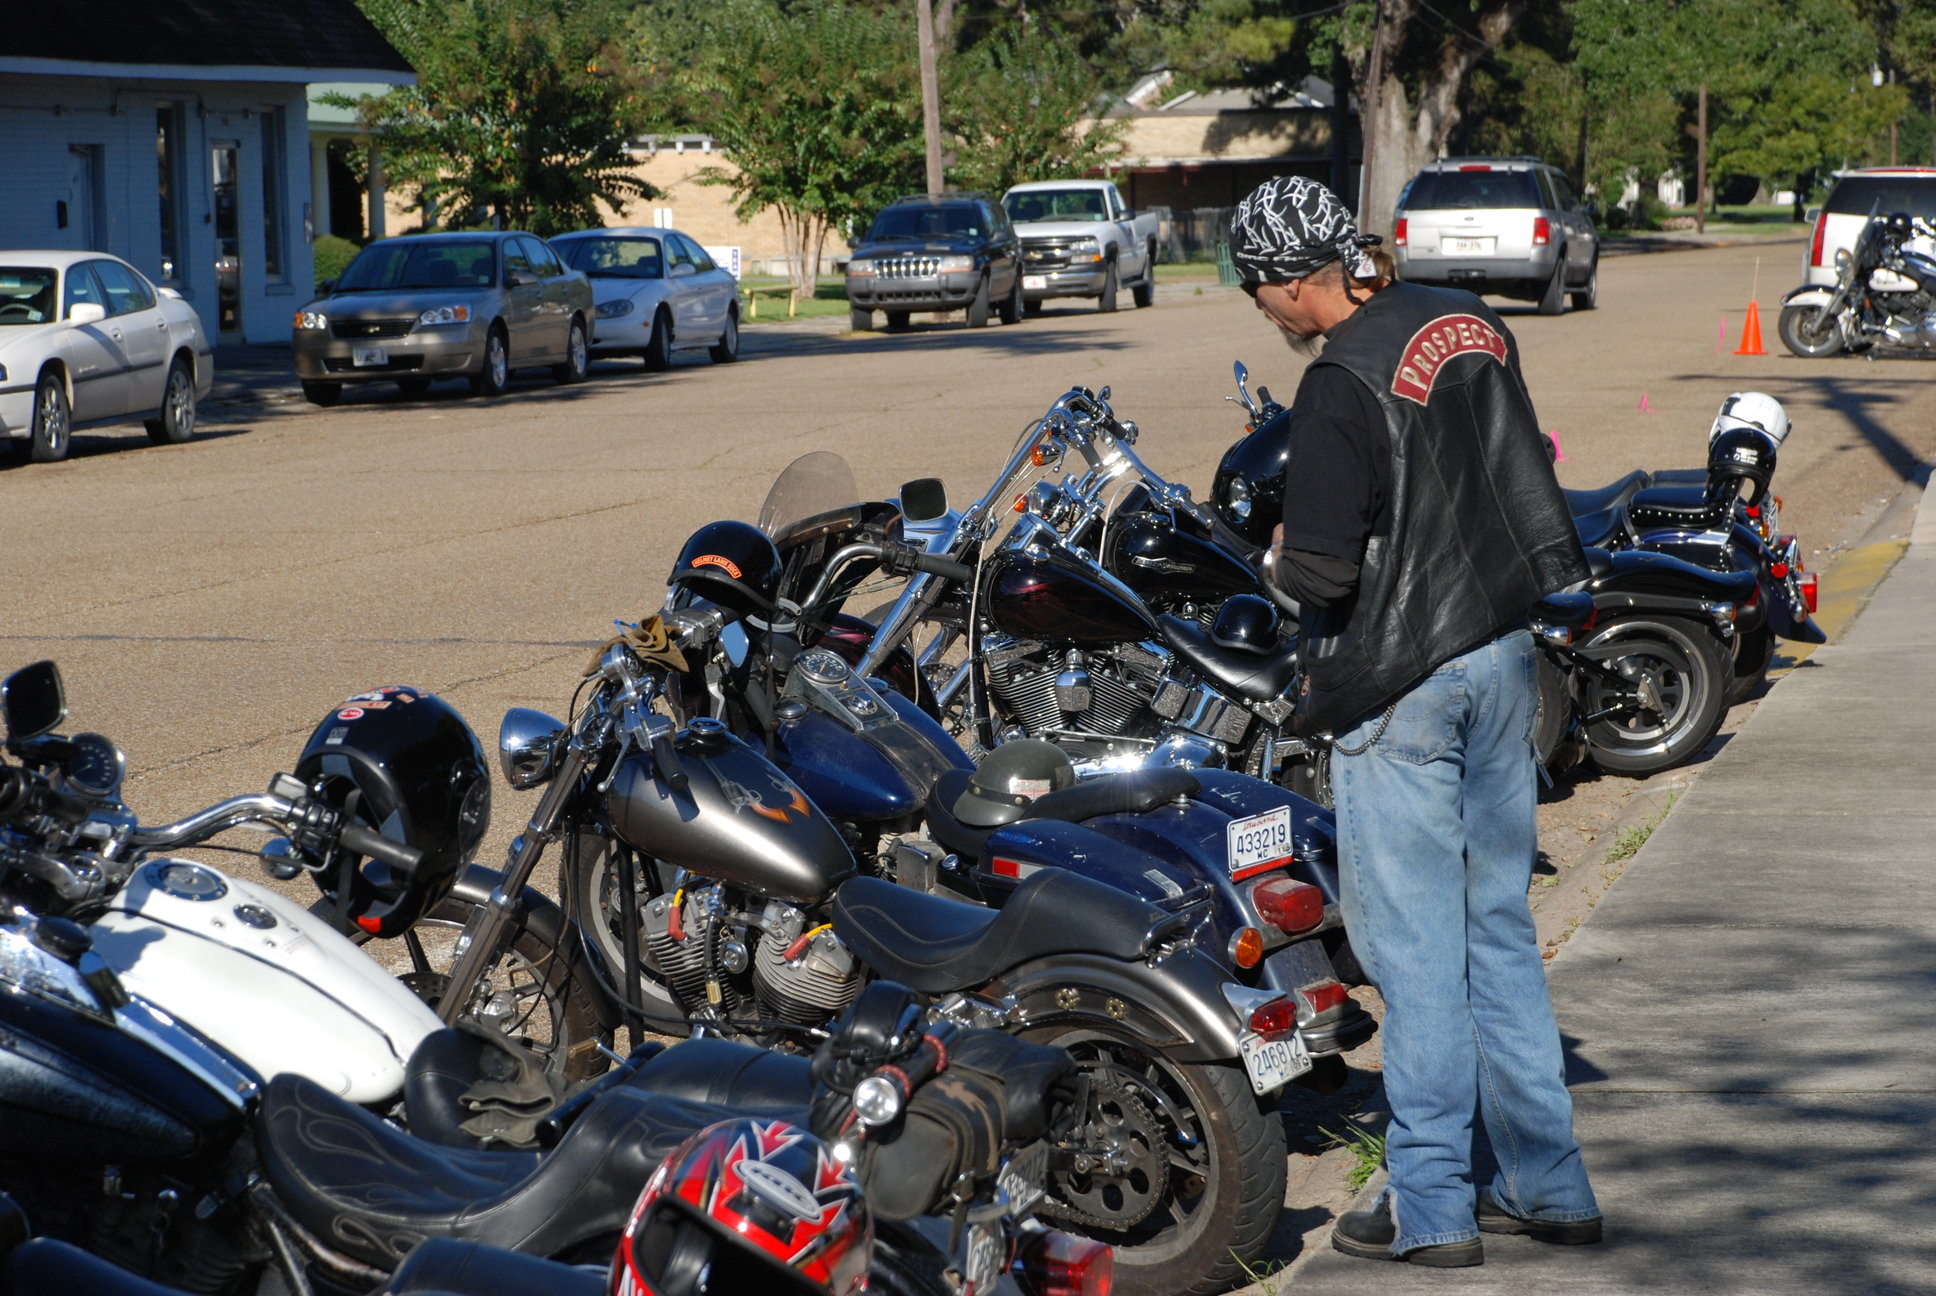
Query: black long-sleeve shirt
(1336, 485)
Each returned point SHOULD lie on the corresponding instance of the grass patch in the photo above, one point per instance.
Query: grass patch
(1634, 838)
(1367, 1148)
(1262, 1275)
(829, 298)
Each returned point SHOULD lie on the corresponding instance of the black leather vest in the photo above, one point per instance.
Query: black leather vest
(1479, 528)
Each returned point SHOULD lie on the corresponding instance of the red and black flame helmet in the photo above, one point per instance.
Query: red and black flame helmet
(403, 762)
(747, 1206)
(732, 564)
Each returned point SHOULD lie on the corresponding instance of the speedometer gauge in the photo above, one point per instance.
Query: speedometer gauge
(96, 767)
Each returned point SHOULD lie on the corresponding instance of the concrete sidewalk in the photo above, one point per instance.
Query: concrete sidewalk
(1750, 1013)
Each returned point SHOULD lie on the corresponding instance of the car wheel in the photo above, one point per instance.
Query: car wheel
(1809, 331)
(726, 350)
(861, 321)
(897, 319)
(1553, 300)
(413, 387)
(322, 393)
(1588, 297)
(658, 350)
(978, 308)
(491, 381)
(177, 421)
(52, 428)
(1032, 307)
(1107, 302)
(578, 356)
(1145, 292)
(1012, 305)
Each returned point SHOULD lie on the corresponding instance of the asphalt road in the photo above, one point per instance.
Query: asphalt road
(210, 602)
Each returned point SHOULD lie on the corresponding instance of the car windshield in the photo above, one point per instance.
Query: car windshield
(1470, 190)
(926, 222)
(1860, 195)
(27, 294)
(613, 258)
(1054, 205)
(388, 266)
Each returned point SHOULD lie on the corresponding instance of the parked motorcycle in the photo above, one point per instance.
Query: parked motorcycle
(1884, 294)
(736, 904)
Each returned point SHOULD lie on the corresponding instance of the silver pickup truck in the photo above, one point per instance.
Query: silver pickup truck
(1079, 239)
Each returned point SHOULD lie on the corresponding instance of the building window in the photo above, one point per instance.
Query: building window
(274, 182)
(168, 158)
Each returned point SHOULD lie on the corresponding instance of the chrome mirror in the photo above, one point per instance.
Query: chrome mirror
(33, 701)
(528, 743)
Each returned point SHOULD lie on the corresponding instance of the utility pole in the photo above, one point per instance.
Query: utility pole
(1368, 123)
(930, 92)
(1700, 163)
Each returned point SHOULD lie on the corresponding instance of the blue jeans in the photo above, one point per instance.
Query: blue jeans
(1437, 838)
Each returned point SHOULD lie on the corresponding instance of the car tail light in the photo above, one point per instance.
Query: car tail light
(1322, 997)
(1398, 232)
(1472, 166)
(1542, 231)
(1062, 1264)
(1809, 589)
(1288, 905)
(1247, 947)
(1275, 1019)
(1815, 244)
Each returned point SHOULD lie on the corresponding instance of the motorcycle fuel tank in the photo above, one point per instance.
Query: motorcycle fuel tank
(266, 980)
(738, 819)
(1153, 555)
(1055, 596)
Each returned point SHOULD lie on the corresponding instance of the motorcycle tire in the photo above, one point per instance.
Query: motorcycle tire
(1752, 653)
(557, 1015)
(1680, 670)
(1553, 711)
(1201, 1224)
(1809, 331)
(589, 878)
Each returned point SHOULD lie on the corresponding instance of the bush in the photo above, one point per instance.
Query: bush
(1649, 213)
(333, 256)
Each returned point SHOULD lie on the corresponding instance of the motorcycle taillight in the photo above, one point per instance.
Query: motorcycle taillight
(1288, 905)
(1809, 589)
(1815, 244)
(1275, 1019)
(1322, 997)
(1062, 1264)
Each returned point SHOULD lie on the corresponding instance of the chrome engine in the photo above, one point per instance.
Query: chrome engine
(1101, 700)
(711, 957)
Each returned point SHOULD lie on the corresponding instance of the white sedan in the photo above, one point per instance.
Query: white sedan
(85, 340)
(656, 292)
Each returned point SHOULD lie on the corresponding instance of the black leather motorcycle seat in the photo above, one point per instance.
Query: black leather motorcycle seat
(1600, 499)
(1257, 676)
(933, 944)
(1599, 561)
(1679, 507)
(443, 1266)
(1680, 477)
(373, 1191)
(441, 1070)
(741, 1076)
(1601, 528)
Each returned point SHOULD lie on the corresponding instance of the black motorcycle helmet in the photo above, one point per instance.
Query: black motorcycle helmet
(403, 762)
(1249, 486)
(1898, 225)
(1247, 623)
(732, 564)
(1741, 463)
(1013, 775)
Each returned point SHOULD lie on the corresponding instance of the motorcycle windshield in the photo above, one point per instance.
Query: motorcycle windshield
(807, 489)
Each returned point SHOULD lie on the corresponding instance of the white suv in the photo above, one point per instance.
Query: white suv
(1513, 227)
(1857, 194)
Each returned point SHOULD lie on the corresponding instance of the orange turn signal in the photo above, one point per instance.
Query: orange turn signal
(1247, 947)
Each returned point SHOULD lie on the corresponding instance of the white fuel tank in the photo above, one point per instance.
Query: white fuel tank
(262, 977)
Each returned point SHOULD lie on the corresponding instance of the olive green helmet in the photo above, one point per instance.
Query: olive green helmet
(1013, 775)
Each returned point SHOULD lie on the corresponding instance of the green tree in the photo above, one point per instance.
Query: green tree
(816, 105)
(1014, 113)
(520, 116)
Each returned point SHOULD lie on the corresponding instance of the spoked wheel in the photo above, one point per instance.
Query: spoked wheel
(1310, 776)
(1809, 331)
(540, 996)
(1179, 1166)
(593, 875)
(1670, 694)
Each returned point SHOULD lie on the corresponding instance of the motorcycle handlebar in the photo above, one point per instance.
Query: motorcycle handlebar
(374, 845)
(24, 795)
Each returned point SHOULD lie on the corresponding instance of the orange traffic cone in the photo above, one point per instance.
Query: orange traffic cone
(1751, 333)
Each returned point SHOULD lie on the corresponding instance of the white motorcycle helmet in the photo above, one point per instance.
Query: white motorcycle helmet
(1751, 409)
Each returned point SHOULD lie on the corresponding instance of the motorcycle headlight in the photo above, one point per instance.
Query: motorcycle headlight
(1236, 504)
(861, 266)
(311, 320)
(438, 316)
(876, 1100)
(613, 309)
(956, 264)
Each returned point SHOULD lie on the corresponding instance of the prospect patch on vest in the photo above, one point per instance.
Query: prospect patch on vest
(1437, 342)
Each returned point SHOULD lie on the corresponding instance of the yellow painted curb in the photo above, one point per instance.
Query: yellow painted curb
(1843, 591)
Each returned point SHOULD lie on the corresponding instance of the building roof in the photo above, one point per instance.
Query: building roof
(266, 40)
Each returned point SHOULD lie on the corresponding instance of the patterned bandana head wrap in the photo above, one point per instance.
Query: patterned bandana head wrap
(1289, 227)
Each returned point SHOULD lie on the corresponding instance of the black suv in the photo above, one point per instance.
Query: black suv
(936, 252)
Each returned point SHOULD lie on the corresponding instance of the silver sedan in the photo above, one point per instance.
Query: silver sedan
(658, 292)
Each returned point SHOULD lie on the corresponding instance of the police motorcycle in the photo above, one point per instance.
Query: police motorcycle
(1884, 294)
(899, 1159)
(1722, 518)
